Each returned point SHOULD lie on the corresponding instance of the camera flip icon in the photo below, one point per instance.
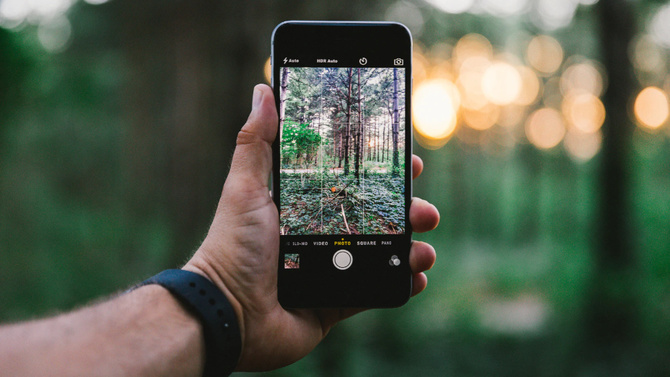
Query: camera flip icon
(398, 61)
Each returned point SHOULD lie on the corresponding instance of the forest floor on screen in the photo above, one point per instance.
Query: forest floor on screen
(335, 204)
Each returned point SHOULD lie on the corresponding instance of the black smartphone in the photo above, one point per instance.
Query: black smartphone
(342, 178)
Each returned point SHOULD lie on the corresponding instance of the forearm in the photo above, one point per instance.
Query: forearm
(142, 333)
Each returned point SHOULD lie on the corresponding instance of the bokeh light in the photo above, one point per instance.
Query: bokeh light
(435, 108)
(501, 83)
(646, 55)
(584, 111)
(660, 26)
(420, 64)
(553, 14)
(582, 146)
(504, 8)
(452, 6)
(491, 93)
(470, 82)
(530, 86)
(511, 116)
(545, 128)
(441, 69)
(13, 13)
(544, 54)
(651, 107)
(584, 76)
(472, 45)
(481, 119)
(54, 33)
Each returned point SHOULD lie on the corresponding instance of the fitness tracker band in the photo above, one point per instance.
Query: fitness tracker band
(217, 316)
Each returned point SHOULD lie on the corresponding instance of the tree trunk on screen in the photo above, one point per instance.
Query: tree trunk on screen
(347, 132)
(282, 93)
(396, 162)
(357, 157)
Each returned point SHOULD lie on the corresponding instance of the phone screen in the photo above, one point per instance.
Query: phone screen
(342, 167)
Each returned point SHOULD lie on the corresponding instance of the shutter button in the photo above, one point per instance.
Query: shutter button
(342, 259)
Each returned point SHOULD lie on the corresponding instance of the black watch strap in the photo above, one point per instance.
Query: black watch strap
(217, 316)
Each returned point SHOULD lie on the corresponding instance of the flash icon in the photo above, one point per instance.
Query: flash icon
(285, 60)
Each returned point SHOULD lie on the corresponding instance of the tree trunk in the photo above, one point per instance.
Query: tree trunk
(611, 318)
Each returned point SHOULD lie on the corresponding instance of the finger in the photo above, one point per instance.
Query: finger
(252, 160)
(423, 216)
(417, 166)
(421, 257)
(419, 283)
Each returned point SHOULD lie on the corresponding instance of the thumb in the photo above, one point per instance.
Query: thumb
(252, 160)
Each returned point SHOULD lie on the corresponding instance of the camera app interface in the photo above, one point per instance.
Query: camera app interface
(342, 150)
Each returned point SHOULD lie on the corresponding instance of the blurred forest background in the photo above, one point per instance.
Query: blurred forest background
(542, 124)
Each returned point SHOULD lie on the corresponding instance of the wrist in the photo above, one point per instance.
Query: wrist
(183, 353)
(207, 272)
(206, 302)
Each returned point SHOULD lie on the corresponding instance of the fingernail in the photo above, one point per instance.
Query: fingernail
(258, 97)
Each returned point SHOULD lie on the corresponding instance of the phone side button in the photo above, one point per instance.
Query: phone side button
(342, 259)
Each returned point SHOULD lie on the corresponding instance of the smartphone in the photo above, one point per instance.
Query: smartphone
(342, 163)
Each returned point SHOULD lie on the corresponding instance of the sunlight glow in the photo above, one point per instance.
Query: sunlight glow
(436, 104)
(651, 107)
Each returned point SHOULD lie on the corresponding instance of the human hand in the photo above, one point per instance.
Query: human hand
(240, 252)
